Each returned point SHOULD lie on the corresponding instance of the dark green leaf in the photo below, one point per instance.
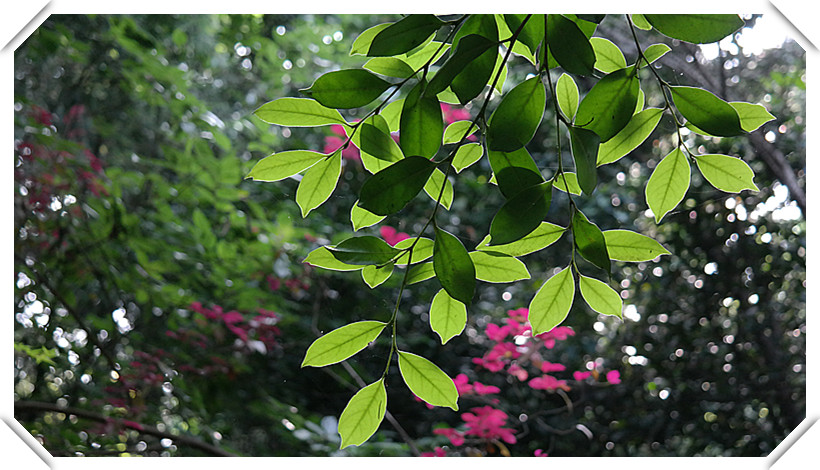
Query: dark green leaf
(569, 45)
(342, 343)
(363, 414)
(298, 112)
(706, 111)
(404, 35)
(422, 124)
(322, 258)
(533, 32)
(469, 49)
(584, 144)
(454, 267)
(590, 241)
(448, 316)
(610, 104)
(474, 77)
(513, 124)
(521, 214)
(364, 251)
(376, 142)
(592, 18)
(525, 172)
(362, 43)
(345, 89)
(697, 28)
(389, 190)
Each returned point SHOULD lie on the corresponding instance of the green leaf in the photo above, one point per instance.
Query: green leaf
(640, 22)
(514, 171)
(498, 268)
(751, 115)
(361, 218)
(610, 104)
(433, 188)
(470, 81)
(422, 125)
(513, 124)
(584, 144)
(590, 241)
(392, 114)
(457, 131)
(608, 58)
(374, 276)
(467, 155)
(706, 111)
(422, 251)
(543, 236)
(624, 245)
(569, 45)
(427, 381)
(571, 180)
(655, 52)
(551, 304)
(284, 164)
(600, 296)
(363, 414)
(404, 35)
(346, 89)
(378, 143)
(298, 112)
(363, 251)
(471, 48)
(362, 43)
(420, 272)
(322, 258)
(429, 53)
(592, 18)
(533, 32)
(698, 28)
(448, 316)
(521, 214)
(668, 184)
(389, 190)
(566, 91)
(726, 173)
(342, 343)
(318, 183)
(389, 66)
(639, 128)
(454, 267)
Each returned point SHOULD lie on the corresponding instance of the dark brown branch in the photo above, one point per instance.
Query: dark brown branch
(43, 407)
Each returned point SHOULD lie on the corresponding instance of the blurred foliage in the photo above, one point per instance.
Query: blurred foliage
(155, 286)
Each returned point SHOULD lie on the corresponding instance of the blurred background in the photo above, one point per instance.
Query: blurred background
(162, 306)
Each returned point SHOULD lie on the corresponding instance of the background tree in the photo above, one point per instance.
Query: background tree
(162, 306)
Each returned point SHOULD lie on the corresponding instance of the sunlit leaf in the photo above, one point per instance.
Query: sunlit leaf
(389, 67)
(550, 305)
(729, 174)
(521, 214)
(751, 115)
(600, 296)
(696, 28)
(389, 190)
(374, 276)
(361, 218)
(457, 131)
(467, 155)
(639, 128)
(344, 89)
(513, 124)
(420, 272)
(298, 112)
(362, 42)
(655, 52)
(608, 57)
(342, 343)
(363, 251)
(640, 22)
(624, 245)
(322, 258)
(566, 91)
(567, 179)
(706, 111)
(284, 164)
(498, 268)
(431, 52)
(433, 188)
(318, 183)
(448, 316)
(454, 267)
(423, 250)
(378, 143)
(543, 236)
(668, 184)
(363, 414)
(610, 104)
(427, 381)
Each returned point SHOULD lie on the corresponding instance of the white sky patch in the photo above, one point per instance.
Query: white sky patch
(768, 32)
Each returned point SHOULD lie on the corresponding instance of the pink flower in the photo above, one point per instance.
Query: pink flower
(487, 422)
(481, 389)
(452, 114)
(548, 382)
(518, 372)
(490, 365)
(578, 375)
(456, 438)
(613, 377)
(551, 367)
(495, 332)
(391, 235)
(462, 384)
(333, 142)
(540, 453)
(429, 406)
(232, 317)
(559, 333)
(439, 452)
(519, 315)
(273, 282)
